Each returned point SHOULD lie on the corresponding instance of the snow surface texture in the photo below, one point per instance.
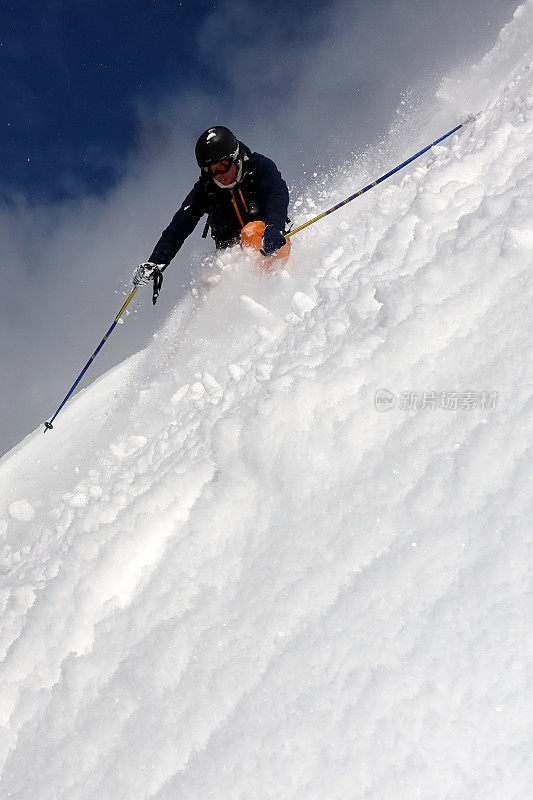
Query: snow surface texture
(227, 574)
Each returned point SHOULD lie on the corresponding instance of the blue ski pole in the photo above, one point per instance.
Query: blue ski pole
(379, 180)
(158, 280)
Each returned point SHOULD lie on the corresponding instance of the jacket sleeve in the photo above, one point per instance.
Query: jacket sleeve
(274, 191)
(182, 225)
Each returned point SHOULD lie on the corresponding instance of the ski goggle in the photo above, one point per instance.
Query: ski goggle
(220, 167)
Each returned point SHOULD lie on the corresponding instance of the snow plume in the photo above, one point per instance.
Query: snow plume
(283, 552)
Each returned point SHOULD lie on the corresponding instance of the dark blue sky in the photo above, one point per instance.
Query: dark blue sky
(75, 72)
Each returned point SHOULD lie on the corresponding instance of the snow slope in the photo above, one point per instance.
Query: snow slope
(227, 574)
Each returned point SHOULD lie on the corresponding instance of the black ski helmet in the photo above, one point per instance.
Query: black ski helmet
(215, 144)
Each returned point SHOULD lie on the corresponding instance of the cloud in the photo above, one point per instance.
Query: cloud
(307, 85)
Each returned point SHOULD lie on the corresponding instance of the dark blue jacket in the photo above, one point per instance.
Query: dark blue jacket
(262, 194)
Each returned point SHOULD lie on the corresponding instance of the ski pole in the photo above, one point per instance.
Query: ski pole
(158, 281)
(49, 425)
(379, 180)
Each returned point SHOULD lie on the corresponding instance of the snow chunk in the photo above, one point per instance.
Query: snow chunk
(78, 500)
(197, 390)
(236, 372)
(21, 510)
(117, 451)
(255, 308)
(302, 303)
(263, 371)
(212, 386)
(178, 396)
(136, 443)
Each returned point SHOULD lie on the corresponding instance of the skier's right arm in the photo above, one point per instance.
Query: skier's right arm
(182, 225)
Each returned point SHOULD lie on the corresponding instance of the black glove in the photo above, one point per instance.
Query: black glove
(273, 240)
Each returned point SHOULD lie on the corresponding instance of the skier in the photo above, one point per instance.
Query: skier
(244, 196)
